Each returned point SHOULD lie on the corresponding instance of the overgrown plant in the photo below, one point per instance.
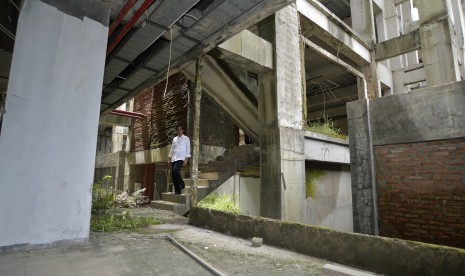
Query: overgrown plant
(225, 203)
(327, 127)
(103, 195)
(115, 223)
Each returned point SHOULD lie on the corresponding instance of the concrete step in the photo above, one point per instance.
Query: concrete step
(187, 190)
(341, 270)
(200, 182)
(177, 208)
(171, 197)
(209, 175)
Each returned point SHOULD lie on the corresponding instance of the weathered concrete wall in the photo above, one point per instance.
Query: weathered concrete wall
(328, 196)
(419, 159)
(377, 254)
(362, 168)
(49, 130)
(246, 190)
(427, 114)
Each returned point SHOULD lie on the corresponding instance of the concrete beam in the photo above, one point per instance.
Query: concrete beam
(323, 73)
(398, 46)
(319, 147)
(343, 94)
(229, 95)
(398, 2)
(384, 74)
(115, 120)
(333, 31)
(332, 58)
(414, 75)
(328, 112)
(248, 51)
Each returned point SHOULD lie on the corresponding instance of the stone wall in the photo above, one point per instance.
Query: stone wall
(378, 254)
(414, 150)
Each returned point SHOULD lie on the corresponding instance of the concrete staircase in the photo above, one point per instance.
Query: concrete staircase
(229, 87)
(211, 176)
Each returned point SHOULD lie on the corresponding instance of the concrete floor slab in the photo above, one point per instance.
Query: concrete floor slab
(145, 252)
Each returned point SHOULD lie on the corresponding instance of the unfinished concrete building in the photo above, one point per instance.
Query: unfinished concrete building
(388, 73)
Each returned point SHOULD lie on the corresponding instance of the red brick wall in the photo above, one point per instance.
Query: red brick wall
(421, 191)
(164, 113)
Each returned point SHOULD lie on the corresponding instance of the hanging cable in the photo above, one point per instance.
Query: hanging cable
(169, 62)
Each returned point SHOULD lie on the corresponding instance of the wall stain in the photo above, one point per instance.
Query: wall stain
(311, 177)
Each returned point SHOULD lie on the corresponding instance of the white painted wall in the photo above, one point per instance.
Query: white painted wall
(49, 131)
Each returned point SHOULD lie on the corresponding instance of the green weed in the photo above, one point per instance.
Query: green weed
(326, 127)
(225, 203)
(115, 223)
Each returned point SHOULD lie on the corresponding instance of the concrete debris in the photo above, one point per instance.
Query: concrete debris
(257, 242)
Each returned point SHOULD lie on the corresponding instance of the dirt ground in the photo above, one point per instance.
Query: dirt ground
(145, 252)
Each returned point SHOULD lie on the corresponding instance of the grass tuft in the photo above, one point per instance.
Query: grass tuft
(225, 203)
(115, 223)
(326, 127)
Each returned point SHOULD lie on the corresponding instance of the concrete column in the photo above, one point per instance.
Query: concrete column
(407, 21)
(439, 50)
(459, 26)
(196, 130)
(280, 105)
(49, 132)
(394, 30)
(363, 22)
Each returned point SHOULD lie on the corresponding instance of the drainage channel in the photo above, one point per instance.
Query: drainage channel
(190, 254)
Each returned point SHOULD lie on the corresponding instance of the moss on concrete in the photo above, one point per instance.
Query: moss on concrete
(311, 178)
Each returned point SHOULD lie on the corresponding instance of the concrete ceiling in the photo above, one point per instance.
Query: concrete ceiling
(196, 27)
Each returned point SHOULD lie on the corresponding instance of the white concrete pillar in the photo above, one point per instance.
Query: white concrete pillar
(280, 105)
(49, 131)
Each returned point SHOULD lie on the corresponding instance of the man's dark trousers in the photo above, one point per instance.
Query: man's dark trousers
(178, 183)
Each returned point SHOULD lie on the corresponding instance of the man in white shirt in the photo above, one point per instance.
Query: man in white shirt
(179, 155)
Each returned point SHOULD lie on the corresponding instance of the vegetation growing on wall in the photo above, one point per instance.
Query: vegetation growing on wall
(326, 127)
(225, 203)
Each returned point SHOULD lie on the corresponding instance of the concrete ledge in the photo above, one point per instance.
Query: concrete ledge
(378, 254)
(319, 147)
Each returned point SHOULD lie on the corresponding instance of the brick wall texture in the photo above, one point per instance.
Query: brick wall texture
(166, 111)
(421, 191)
